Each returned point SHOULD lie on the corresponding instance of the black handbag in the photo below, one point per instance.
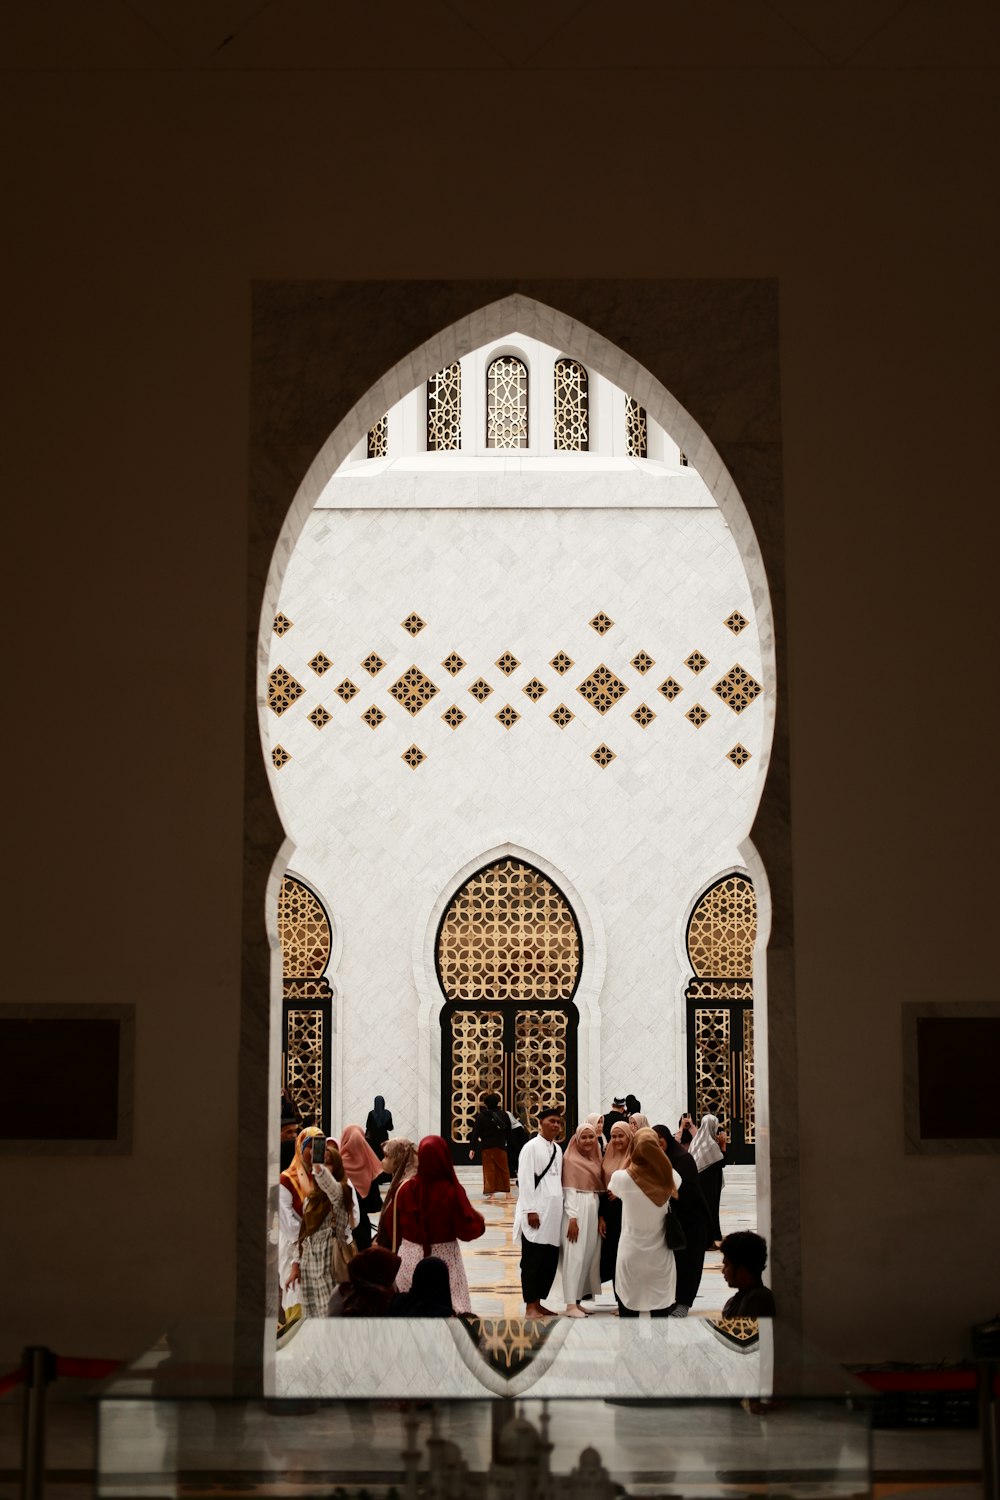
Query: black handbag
(673, 1232)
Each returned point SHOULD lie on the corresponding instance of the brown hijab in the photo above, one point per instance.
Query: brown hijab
(316, 1208)
(649, 1168)
(619, 1152)
(582, 1162)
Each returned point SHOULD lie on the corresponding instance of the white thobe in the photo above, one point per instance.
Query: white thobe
(645, 1272)
(545, 1200)
(580, 1262)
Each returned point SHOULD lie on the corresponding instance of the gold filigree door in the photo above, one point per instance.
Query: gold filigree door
(525, 1056)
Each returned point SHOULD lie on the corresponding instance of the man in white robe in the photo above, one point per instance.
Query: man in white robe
(539, 1212)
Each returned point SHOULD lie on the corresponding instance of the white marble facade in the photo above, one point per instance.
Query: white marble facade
(514, 553)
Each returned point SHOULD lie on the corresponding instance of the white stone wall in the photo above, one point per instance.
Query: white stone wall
(631, 845)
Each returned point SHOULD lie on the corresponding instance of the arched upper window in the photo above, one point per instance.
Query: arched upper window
(571, 427)
(507, 403)
(720, 942)
(636, 429)
(508, 934)
(378, 438)
(723, 930)
(444, 410)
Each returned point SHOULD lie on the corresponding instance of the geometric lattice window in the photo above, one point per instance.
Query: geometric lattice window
(303, 931)
(306, 943)
(378, 438)
(507, 404)
(508, 934)
(572, 407)
(723, 929)
(636, 429)
(444, 410)
(720, 942)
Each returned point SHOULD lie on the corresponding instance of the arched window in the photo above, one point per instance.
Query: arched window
(571, 427)
(720, 942)
(507, 403)
(306, 940)
(444, 410)
(636, 429)
(378, 438)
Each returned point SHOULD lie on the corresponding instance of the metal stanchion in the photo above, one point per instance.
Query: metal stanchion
(986, 1351)
(39, 1370)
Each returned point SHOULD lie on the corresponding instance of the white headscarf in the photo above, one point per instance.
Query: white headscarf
(704, 1147)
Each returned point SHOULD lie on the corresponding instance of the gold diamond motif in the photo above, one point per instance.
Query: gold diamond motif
(601, 622)
(736, 622)
(697, 715)
(643, 662)
(319, 717)
(453, 663)
(508, 716)
(739, 755)
(413, 623)
(737, 688)
(347, 690)
(507, 663)
(670, 688)
(282, 690)
(480, 690)
(413, 690)
(562, 715)
(643, 715)
(282, 624)
(413, 756)
(453, 716)
(602, 689)
(320, 663)
(603, 755)
(696, 662)
(561, 663)
(373, 664)
(280, 757)
(534, 689)
(373, 716)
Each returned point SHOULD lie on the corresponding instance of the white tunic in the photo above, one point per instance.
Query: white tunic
(580, 1262)
(545, 1200)
(646, 1272)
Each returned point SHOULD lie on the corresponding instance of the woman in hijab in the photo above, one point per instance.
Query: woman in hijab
(645, 1277)
(378, 1126)
(429, 1295)
(328, 1217)
(583, 1184)
(692, 1211)
(295, 1185)
(401, 1161)
(706, 1151)
(363, 1169)
(609, 1225)
(594, 1121)
(638, 1121)
(433, 1214)
(370, 1288)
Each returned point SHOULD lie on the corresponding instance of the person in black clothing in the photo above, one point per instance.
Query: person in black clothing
(490, 1129)
(378, 1127)
(632, 1105)
(744, 1256)
(517, 1139)
(685, 1130)
(615, 1113)
(694, 1215)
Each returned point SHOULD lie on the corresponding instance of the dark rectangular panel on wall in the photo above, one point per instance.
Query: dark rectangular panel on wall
(66, 1076)
(951, 1058)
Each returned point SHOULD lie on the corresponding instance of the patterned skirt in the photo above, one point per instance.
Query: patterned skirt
(316, 1282)
(411, 1254)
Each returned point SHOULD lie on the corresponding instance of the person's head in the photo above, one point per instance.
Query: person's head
(550, 1124)
(431, 1281)
(397, 1152)
(434, 1159)
(375, 1268)
(662, 1135)
(491, 1101)
(744, 1256)
(632, 1104)
(291, 1120)
(621, 1135)
(618, 1104)
(686, 1122)
(586, 1139)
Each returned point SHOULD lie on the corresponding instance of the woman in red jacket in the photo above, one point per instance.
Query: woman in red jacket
(433, 1214)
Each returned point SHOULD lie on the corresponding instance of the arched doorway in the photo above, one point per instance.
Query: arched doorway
(721, 933)
(508, 955)
(307, 1007)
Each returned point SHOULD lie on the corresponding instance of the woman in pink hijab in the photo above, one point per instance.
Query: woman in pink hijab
(362, 1167)
(583, 1184)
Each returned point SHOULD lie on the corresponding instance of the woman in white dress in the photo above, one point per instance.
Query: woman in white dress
(646, 1274)
(583, 1185)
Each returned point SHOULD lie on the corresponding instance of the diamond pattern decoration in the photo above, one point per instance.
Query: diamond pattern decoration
(413, 623)
(604, 755)
(602, 689)
(413, 690)
(534, 689)
(601, 622)
(319, 717)
(282, 690)
(736, 622)
(282, 624)
(453, 663)
(480, 690)
(508, 716)
(562, 715)
(280, 757)
(561, 663)
(454, 716)
(696, 662)
(642, 662)
(739, 755)
(507, 663)
(697, 715)
(737, 688)
(643, 715)
(413, 757)
(373, 716)
(347, 690)
(670, 688)
(373, 664)
(320, 663)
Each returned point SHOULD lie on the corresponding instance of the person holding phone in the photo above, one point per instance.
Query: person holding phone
(294, 1187)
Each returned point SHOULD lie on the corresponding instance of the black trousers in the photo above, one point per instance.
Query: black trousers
(539, 1264)
(626, 1312)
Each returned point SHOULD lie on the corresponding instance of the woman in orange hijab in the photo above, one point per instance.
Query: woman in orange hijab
(295, 1185)
(609, 1224)
(646, 1273)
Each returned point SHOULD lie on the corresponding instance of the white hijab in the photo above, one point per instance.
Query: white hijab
(704, 1147)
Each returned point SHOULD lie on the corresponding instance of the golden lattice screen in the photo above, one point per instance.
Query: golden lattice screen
(508, 934)
(723, 929)
(303, 931)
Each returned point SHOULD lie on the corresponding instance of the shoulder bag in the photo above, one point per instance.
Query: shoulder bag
(673, 1232)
